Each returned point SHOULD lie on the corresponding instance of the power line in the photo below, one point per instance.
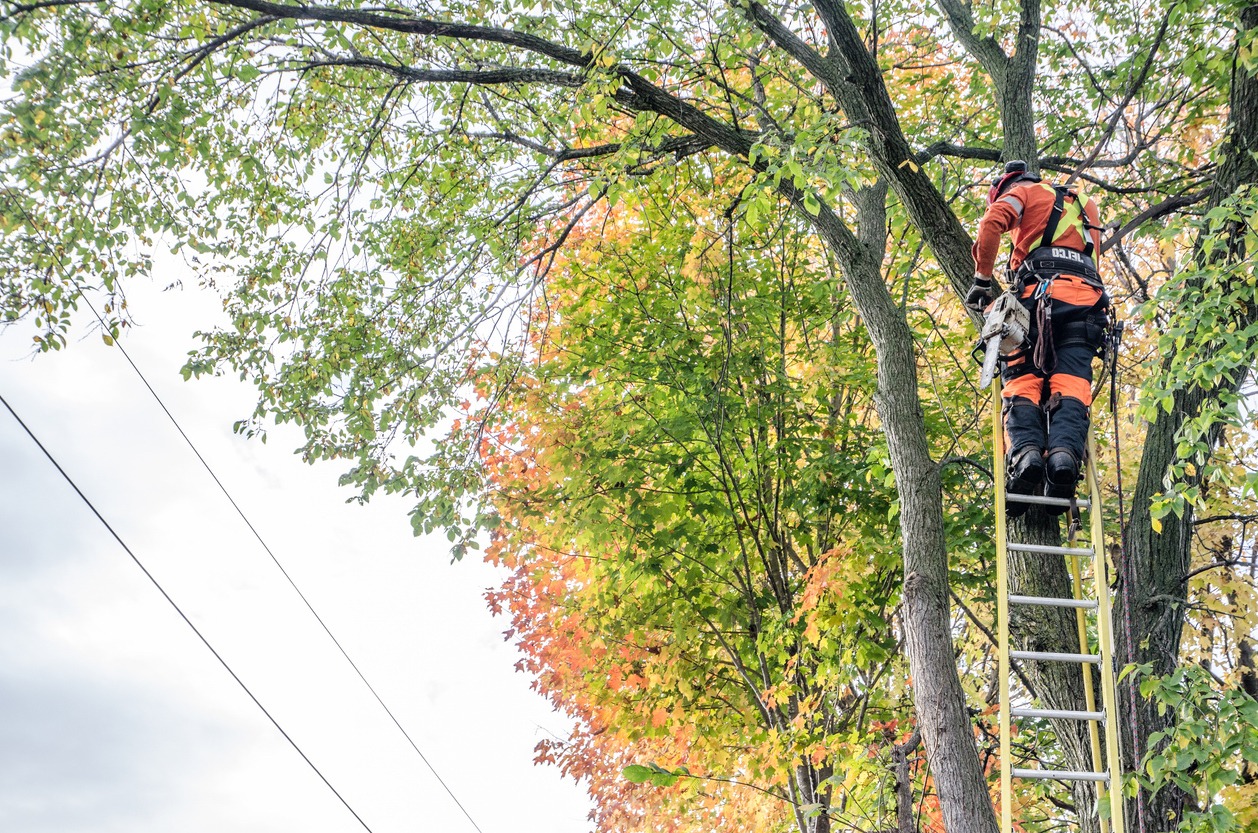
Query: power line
(117, 343)
(179, 610)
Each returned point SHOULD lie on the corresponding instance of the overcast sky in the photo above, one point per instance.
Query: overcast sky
(114, 717)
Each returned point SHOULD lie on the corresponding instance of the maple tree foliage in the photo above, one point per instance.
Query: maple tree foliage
(683, 278)
(682, 472)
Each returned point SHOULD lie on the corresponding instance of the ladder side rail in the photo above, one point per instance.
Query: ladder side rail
(1089, 692)
(1105, 646)
(1002, 614)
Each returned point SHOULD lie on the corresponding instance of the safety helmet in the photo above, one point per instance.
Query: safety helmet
(1014, 171)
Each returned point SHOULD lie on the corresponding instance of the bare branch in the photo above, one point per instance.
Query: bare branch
(1112, 121)
(521, 75)
(677, 146)
(969, 461)
(822, 68)
(400, 22)
(1166, 206)
(986, 49)
(1213, 519)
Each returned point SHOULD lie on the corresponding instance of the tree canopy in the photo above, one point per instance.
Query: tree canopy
(659, 301)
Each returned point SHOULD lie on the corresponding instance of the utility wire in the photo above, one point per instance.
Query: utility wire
(117, 343)
(179, 610)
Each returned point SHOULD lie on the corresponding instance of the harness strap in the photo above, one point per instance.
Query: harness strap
(1081, 332)
(1054, 217)
(1009, 372)
(1075, 214)
(1059, 259)
(1048, 262)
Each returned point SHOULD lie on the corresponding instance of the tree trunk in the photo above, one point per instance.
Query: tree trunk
(1017, 113)
(937, 694)
(1153, 573)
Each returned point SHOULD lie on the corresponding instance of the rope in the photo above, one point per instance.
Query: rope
(1128, 563)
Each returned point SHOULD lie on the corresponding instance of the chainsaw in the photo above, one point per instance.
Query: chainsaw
(1005, 330)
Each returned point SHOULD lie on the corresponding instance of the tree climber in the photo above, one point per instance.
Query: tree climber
(1047, 386)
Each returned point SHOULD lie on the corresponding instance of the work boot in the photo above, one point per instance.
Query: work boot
(1025, 474)
(1063, 476)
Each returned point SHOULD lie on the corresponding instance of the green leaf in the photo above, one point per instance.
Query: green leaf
(637, 773)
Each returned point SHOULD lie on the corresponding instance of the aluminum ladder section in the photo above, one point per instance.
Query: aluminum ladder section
(1101, 727)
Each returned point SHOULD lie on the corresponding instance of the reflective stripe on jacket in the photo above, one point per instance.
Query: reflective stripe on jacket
(1023, 211)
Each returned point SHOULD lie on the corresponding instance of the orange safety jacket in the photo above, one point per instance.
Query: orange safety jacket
(1024, 211)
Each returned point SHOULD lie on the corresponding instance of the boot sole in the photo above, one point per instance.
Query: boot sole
(1060, 490)
(1027, 483)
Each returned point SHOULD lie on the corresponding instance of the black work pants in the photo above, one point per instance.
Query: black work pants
(1047, 408)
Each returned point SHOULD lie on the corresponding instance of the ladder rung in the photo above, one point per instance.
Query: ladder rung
(1045, 500)
(1061, 714)
(1050, 601)
(1054, 657)
(1061, 775)
(1050, 550)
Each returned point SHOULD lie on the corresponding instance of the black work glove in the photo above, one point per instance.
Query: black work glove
(980, 294)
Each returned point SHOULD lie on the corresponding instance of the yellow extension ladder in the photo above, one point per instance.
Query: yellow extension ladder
(1105, 768)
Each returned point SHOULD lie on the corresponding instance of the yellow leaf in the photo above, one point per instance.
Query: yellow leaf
(1190, 470)
(1156, 523)
(912, 165)
(108, 339)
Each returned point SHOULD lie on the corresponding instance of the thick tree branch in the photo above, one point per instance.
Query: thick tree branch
(1026, 48)
(809, 58)
(985, 49)
(944, 148)
(399, 22)
(1153, 212)
(1013, 75)
(676, 146)
(864, 97)
(23, 8)
(522, 75)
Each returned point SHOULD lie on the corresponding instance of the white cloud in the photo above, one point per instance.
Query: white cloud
(116, 718)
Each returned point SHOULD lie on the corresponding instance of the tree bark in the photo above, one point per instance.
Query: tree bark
(1013, 75)
(1150, 609)
(939, 699)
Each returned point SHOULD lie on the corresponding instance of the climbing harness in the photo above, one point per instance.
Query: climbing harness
(1102, 721)
(1045, 258)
